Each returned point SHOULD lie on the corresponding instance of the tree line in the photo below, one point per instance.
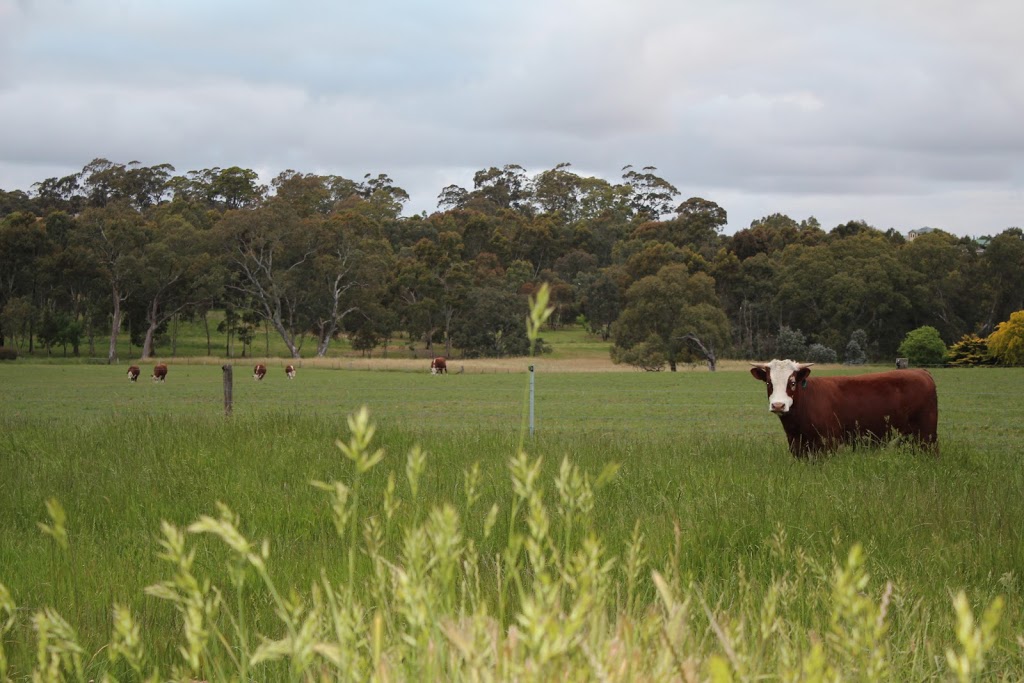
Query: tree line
(120, 247)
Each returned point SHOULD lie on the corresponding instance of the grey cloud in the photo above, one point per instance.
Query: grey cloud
(904, 108)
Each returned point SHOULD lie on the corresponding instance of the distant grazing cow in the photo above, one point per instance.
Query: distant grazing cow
(160, 372)
(290, 371)
(438, 366)
(259, 372)
(133, 373)
(820, 413)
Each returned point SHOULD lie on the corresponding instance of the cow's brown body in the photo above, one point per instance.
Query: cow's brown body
(289, 370)
(438, 366)
(159, 372)
(259, 372)
(133, 373)
(829, 411)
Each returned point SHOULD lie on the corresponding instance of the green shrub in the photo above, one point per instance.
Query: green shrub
(923, 346)
(7, 353)
(819, 353)
(648, 355)
(790, 343)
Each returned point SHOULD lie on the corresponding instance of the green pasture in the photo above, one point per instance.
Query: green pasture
(705, 475)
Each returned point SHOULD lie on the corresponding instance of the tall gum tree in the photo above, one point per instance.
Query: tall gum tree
(352, 262)
(270, 252)
(116, 235)
(175, 273)
(677, 310)
(23, 243)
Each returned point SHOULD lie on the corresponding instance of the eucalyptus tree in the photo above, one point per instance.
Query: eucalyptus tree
(103, 181)
(417, 298)
(384, 199)
(270, 251)
(938, 272)
(651, 196)
(535, 239)
(754, 306)
(676, 312)
(493, 323)
(433, 282)
(23, 245)
(236, 188)
(116, 236)
(349, 271)
(15, 201)
(849, 283)
(870, 290)
(601, 300)
(63, 194)
(177, 272)
(219, 188)
(75, 283)
(1003, 271)
(494, 189)
(558, 191)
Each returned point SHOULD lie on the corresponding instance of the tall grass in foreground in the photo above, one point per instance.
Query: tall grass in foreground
(521, 589)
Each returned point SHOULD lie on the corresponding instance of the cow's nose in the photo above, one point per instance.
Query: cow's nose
(778, 407)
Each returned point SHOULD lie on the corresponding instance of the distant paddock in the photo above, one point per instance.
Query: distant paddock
(455, 365)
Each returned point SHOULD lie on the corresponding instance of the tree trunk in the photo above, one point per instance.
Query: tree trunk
(324, 341)
(174, 337)
(153, 318)
(92, 337)
(115, 327)
(206, 326)
(289, 341)
(708, 351)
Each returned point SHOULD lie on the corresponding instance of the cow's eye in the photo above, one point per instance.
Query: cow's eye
(792, 381)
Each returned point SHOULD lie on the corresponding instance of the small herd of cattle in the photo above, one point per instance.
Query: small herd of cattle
(260, 371)
(817, 413)
(159, 373)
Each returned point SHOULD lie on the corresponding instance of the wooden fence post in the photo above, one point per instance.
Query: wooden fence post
(227, 388)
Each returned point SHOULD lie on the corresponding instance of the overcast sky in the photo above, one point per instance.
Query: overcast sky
(902, 113)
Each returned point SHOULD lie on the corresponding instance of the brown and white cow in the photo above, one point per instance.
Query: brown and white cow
(259, 372)
(438, 366)
(160, 372)
(820, 413)
(290, 371)
(133, 373)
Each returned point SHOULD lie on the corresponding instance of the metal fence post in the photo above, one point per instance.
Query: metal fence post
(532, 375)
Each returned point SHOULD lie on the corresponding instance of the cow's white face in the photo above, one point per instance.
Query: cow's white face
(782, 378)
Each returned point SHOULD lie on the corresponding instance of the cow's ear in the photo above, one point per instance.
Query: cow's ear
(803, 372)
(759, 372)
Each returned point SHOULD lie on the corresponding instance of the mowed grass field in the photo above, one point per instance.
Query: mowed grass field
(705, 476)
